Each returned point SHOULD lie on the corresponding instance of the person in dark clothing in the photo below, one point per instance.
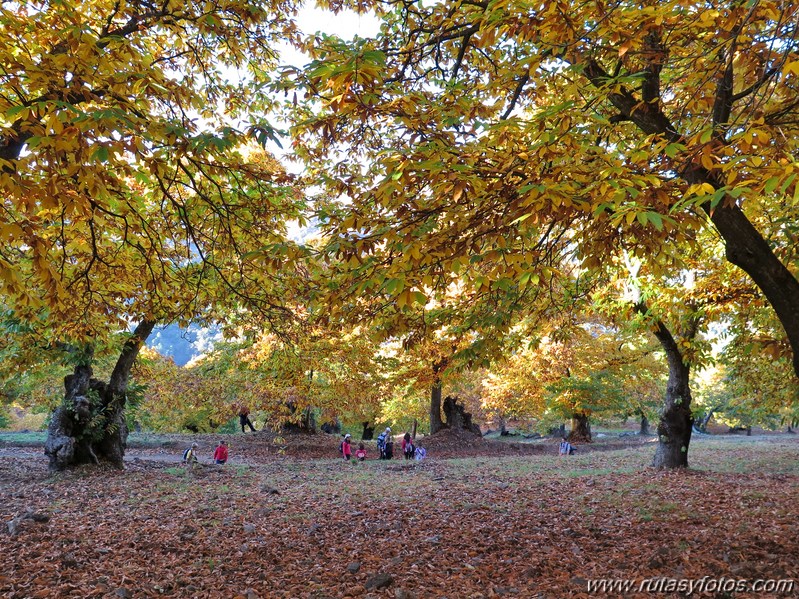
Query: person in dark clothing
(244, 418)
(408, 448)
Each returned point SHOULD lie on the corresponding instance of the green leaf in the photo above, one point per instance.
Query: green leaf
(771, 184)
(394, 286)
(787, 183)
(15, 111)
(717, 197)
(673, 149)
(100, 154)
(656, 220)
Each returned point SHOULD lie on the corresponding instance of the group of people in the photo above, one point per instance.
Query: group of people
(220, 454)
(346, 449)
(385, 447)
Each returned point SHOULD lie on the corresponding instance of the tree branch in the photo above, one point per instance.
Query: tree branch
(516, 93)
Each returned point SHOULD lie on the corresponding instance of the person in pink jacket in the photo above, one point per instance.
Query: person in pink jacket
(360, 453)
(346, 448)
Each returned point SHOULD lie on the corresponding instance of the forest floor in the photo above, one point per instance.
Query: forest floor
(287, 518)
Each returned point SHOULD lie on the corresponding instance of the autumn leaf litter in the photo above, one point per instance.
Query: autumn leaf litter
(275, 525)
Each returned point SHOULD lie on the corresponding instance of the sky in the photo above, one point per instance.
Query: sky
(345, 24)
(186, 344)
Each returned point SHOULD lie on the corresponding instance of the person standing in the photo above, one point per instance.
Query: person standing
(385, 444)
(244, 418)
(407, 446)
(346, 447)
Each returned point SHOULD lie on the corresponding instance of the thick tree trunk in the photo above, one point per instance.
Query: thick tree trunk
(368, 432)
(644, 425)
(89, 426)
(581, 428)
(414, 429)
(676, 422)
(306, 423)
(309, 419)
(746, 248)
(436, 423)
(332, 428)
(458, 417)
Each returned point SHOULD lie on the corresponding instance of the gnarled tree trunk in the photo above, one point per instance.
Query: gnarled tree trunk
(676, 423)
(581, 428)
(299, 422)
(89, 426)
(458, 417)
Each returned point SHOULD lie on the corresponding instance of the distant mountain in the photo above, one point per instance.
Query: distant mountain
(183, 345)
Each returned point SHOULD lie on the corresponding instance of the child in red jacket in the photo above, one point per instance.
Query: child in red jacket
(360, 453)
(220, 453)
(346, 448)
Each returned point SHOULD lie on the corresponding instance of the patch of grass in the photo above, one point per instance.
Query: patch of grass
(32, 438)
(241, 469)
(740, 455)
(176, 471)
(579, 472)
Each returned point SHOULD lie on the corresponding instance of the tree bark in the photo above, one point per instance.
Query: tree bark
(436, 423)
(644, 425)
(368, 432)
(458, 417)
(581, 428)
(332, 428)
(676, 423)
(414, 428)
(746, 248)
(89, 426)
